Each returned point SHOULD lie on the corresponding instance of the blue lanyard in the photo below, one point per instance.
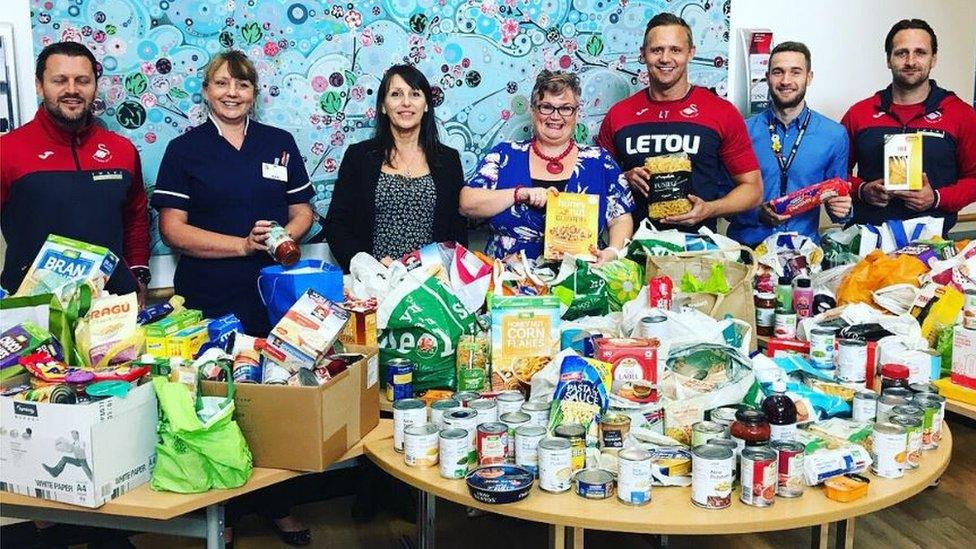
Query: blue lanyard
(785, 163)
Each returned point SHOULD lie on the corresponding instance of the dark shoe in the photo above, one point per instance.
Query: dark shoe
(300, 538)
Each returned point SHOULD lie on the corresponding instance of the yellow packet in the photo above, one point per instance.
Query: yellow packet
(572, 224)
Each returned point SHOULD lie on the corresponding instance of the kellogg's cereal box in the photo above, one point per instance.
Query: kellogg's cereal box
(63, 260)
(524, 338)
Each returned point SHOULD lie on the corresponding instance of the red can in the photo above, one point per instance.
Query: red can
(659, 292)
(492, 444)
(789, 457)
(758, 476)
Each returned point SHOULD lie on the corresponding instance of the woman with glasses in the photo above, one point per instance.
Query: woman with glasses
(514, 181)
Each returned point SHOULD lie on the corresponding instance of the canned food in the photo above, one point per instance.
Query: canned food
(487, 409)
(594, 484)
(654, 326)
(865, 406)
(886, 403)
(634, 476)
(702, 431)
(513, 420)
(527, 439)
(465, 397)
(711, 476)
(913, 438)
(934, 412)
(399, 379)
(555, 465)
(731, 445)
(758, 476)
(420, 442)
(785, 324)
(407, 412)
(823, 347)
(439, 407)
(538, 412)
(923, 388)
(273, 374)
(492, 444)
(467, 419)
(454, 453)
(509, 401)
(576, 434)
(613, 430)
(724, 416)
(789, 468)
(889, 446)
(247, 367)
(852, 360)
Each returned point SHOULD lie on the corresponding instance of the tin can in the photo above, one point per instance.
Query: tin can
(613, 431)
(711, 476)
(593, 484)
(634, 476)
(538, 412)
(467, 419)
(407, 412)
(923, 388)
(454, 453)
(660, 292)
(420, 443)
(527, 439)
(555, 464)
(865, 406)
(465, 398)
(487, 409)
(934, 412)
(492, 444)
(731, 445)
(758, 476)
(969, 309)
(789, 468)
(823, 346)
(852, 361)
(702, 431)
(654, 326)
(399, 379)
(913, 438)
(724, 416)
(509, 401)
(890, 398)
(576, 434)
(513, 420)
(785, 324)
(247, 367)
(439, 407)
(889, 445)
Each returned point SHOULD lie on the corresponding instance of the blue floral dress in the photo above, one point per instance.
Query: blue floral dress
(521, 227)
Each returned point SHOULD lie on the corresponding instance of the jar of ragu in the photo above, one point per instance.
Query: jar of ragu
(750, 428)
(281, 246)
(765, 313)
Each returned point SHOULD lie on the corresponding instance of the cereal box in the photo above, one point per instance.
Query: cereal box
(62, 260)
(903, 162)
(572, 224)
(306, 332)
(524, 337)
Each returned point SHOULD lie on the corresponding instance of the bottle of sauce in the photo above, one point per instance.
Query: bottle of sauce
(780, 411)
(750, 428)
(282, 247)
(803, 298)
(765, 314)
(784, 293)
(894, 375)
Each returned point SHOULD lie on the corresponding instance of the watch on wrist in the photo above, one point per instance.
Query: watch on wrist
(142, 274)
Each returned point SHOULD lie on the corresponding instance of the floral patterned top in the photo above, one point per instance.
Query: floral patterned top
(521, 227)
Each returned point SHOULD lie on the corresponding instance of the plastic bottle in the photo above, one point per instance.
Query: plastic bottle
(803, 298)
(780, 411)
(784, 293)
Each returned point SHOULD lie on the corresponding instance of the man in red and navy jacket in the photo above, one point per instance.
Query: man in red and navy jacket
(913, 104)
(64, 174)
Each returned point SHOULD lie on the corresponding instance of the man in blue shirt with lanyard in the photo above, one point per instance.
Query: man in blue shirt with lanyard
(796, 147)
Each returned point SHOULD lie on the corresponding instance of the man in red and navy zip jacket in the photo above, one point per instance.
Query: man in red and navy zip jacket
(64, 174)
(913, 104)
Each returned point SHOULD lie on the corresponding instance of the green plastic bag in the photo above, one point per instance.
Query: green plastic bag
(201, 447)
(422, 321)
(48, 312)
(624, 281)
(714, 284)
(583, 292)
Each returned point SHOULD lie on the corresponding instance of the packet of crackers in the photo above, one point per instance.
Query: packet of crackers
(810, 197)
(670, 185)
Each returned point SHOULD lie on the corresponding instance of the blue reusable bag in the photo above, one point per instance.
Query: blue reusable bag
(280, 287)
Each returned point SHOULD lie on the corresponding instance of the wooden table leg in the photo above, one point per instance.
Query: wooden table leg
(578, 538)
(819, 536)
(425, 519)
(557, 536)
(845, 534)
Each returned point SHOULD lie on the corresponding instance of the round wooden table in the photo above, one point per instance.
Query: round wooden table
(670, 510)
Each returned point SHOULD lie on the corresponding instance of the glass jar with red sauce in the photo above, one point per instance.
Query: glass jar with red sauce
(750, 428)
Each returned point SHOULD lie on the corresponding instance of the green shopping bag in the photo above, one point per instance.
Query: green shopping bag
(200, 445)
(48, 312)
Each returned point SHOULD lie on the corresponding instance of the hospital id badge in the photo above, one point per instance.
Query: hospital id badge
(274, 171)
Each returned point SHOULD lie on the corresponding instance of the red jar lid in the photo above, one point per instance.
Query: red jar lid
(894, 371)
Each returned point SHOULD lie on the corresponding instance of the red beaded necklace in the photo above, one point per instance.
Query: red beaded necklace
(554, 163)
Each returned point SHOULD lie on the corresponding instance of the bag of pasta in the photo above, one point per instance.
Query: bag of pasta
(670, 184)
(582, 392)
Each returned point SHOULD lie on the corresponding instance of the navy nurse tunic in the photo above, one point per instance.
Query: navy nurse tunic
(226, 191)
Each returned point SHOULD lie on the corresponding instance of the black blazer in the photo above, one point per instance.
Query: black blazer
(350, 223)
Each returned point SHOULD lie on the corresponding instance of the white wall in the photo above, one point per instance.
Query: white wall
(17, 13)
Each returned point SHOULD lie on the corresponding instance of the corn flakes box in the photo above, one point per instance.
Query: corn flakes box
(572, 224)
(903, 162)
(524, 338)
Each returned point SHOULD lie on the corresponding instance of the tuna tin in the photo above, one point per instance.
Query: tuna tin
(513, 420)
(527, 439)
(613, 431)
(934, 412)
(454, 453)
(439, 407)
(420, 442)
(576, 434)
(487, 409)
(407, 412)
(913, 437)
(492, 444)
(711, 476)
(758, 476)
(789, 467)
(889, 445)
(594, 484)
(864, 406)
(509, 401)
(538, 412)
(702, 431)
(555, 465)
(887, 401)
(399, 379)
(634, 476)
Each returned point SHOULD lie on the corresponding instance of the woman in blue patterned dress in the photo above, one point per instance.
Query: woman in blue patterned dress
(514, 181)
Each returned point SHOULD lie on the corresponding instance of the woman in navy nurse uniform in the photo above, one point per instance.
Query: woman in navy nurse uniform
(219, 187)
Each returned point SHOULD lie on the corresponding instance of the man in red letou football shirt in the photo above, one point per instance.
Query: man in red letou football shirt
(672, 116)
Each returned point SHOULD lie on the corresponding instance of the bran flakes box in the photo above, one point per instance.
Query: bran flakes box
(524, 338)
(572, 224)
(631, 359)
(62, 260)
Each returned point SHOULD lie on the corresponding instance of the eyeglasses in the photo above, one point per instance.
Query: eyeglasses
(547, 109)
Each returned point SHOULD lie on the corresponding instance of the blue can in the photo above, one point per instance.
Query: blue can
(247, 367)
(399, 379)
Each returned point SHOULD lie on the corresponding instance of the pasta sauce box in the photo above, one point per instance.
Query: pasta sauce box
(62, 260)
(630, 359)
(572, 224)
(524, 338)
(306, 332)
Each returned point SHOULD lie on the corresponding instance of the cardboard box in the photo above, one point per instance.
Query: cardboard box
(524, 338)
(83, 454)
(62, 259)
(572, 224)
(631, 359)
(308, 428)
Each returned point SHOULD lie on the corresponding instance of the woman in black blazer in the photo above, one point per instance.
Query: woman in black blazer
(399, 190)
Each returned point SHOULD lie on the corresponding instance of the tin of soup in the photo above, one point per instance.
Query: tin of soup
(634, 476)
(594, 484)
(454, 453)
(492, 444)
(527, 439)
(509, 401)
(555, 465)
(406, 412)
(420, 443)
(789, 467)
(513, 420)
(711, 476)
(889, 445)
(913, 438)
(758, 476)
(538, 412)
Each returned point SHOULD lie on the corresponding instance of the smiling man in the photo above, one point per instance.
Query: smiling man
(913, 103)
(672, 116)
(64, 174)
(796, 147)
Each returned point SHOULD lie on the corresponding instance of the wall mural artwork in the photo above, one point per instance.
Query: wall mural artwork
(320, 63)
